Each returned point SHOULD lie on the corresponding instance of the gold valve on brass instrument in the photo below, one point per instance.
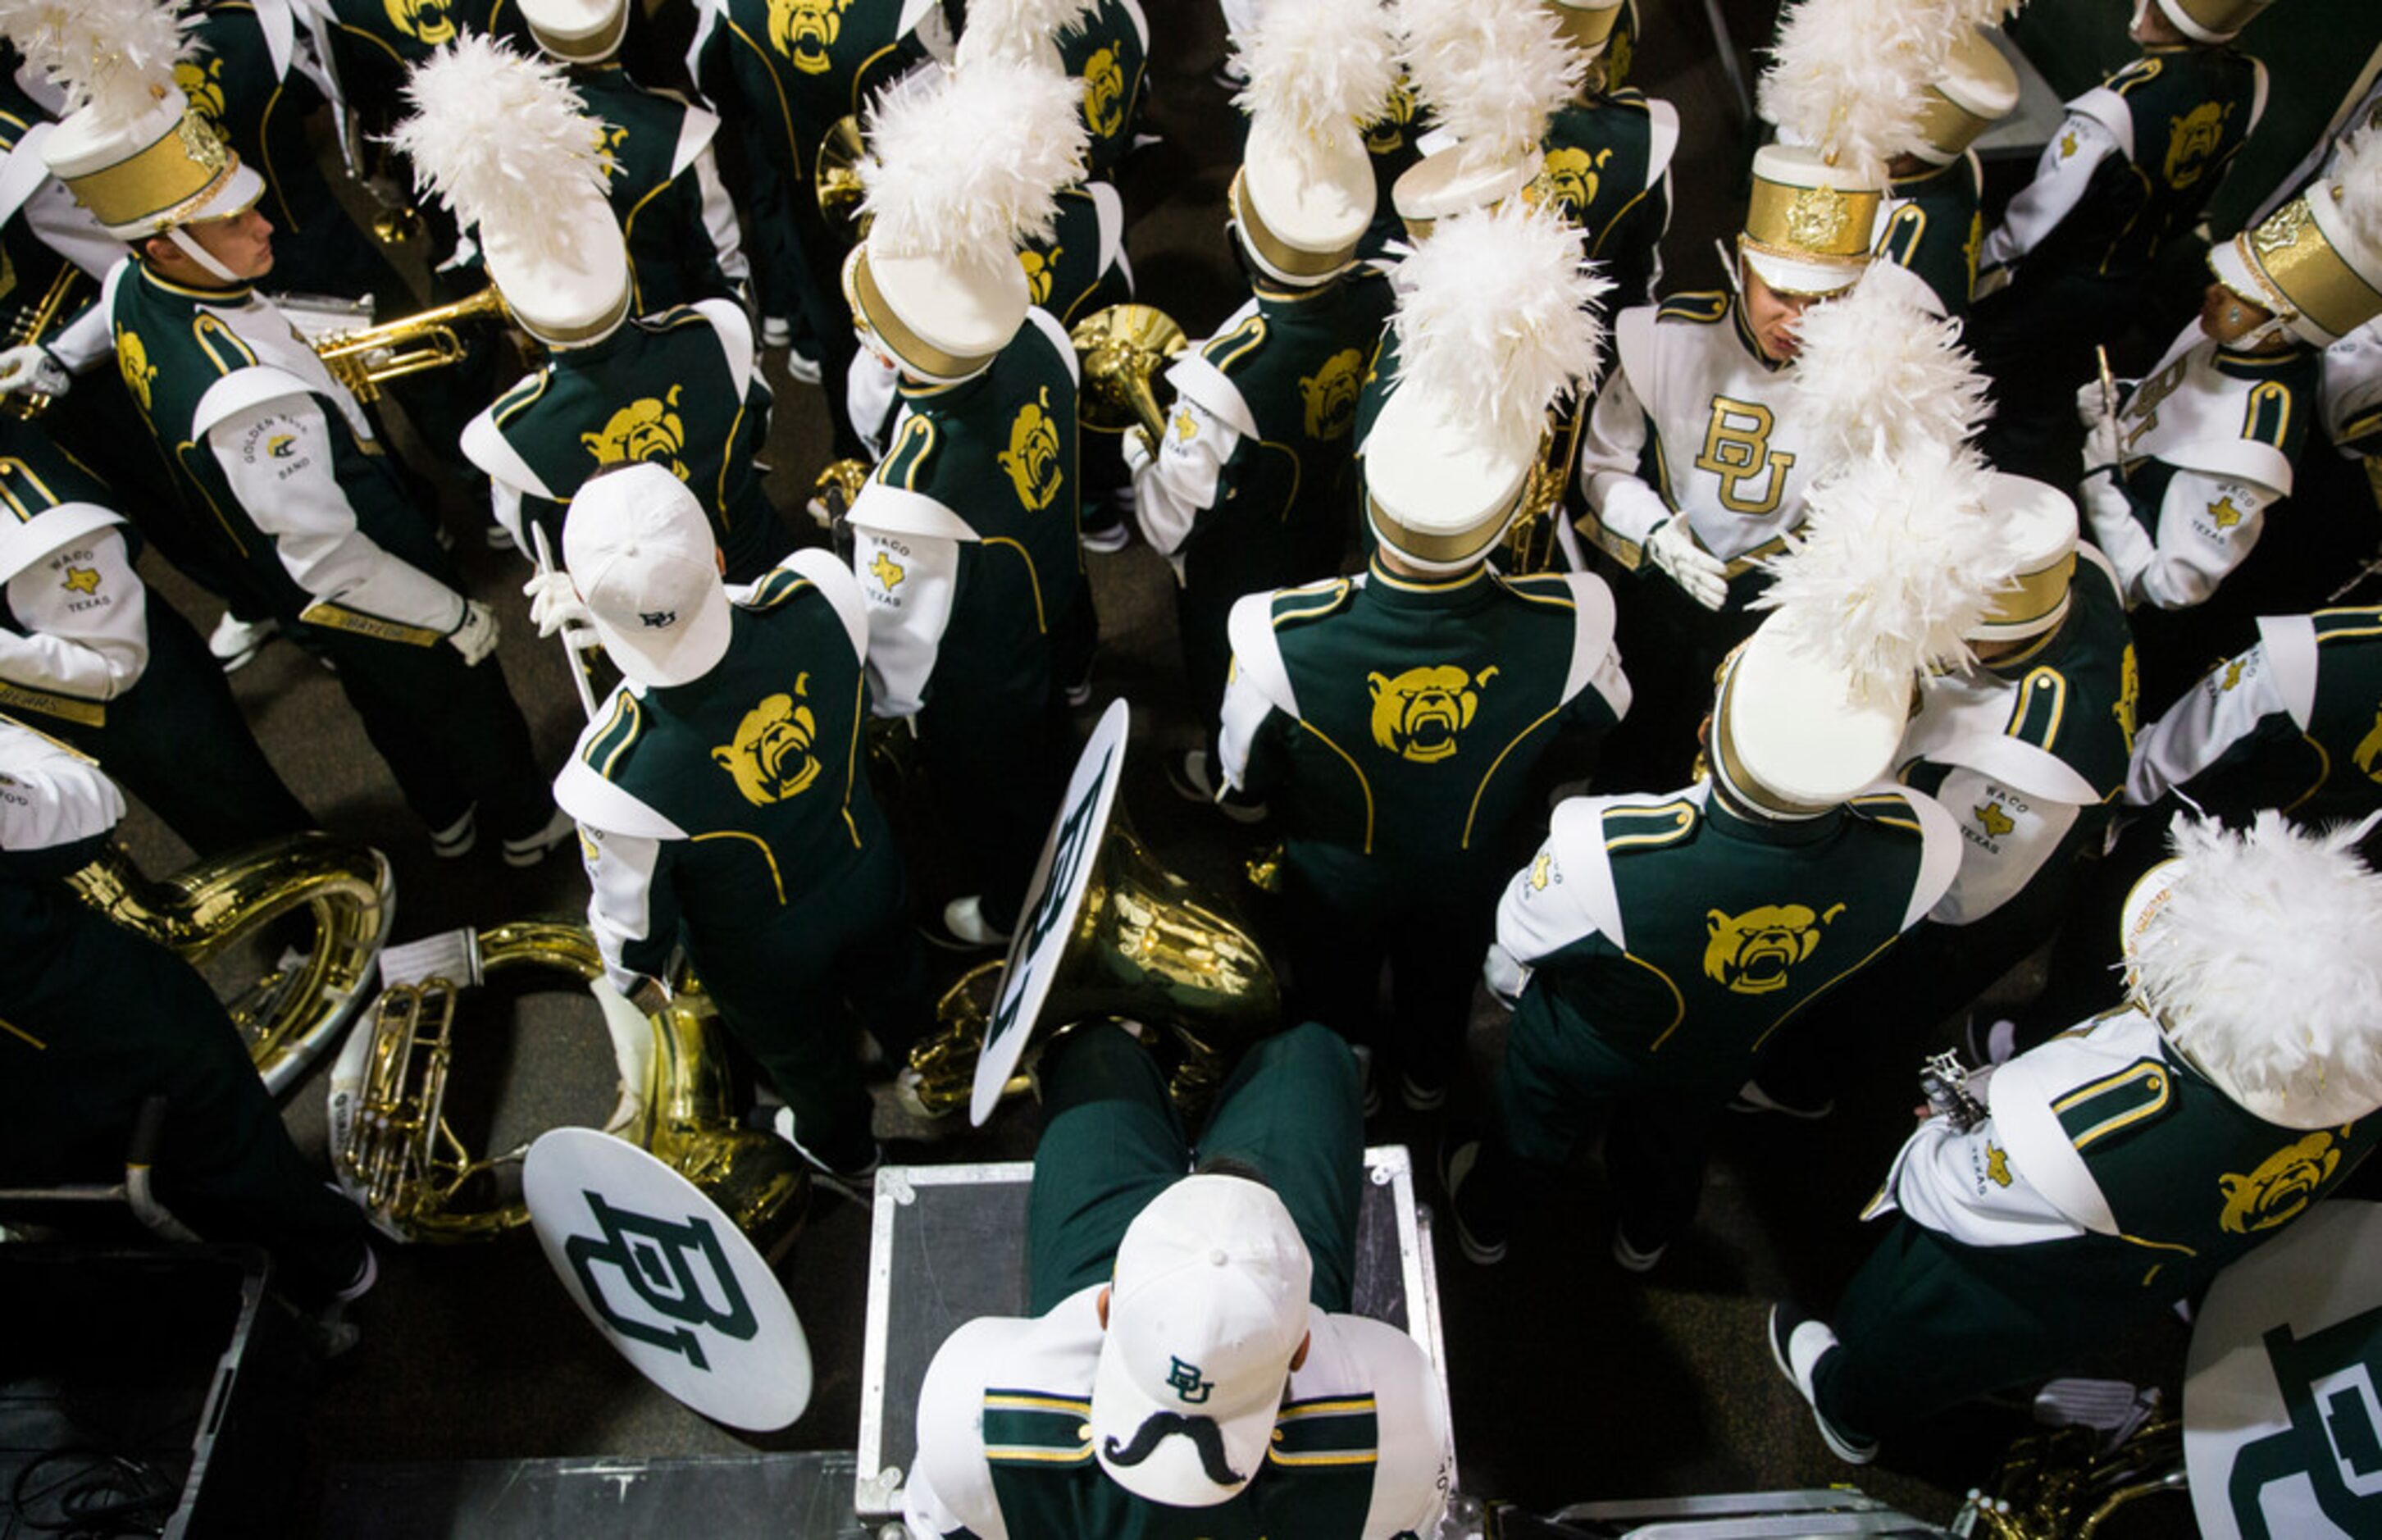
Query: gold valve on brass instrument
(295, 1007)
(396, 1151)
(365, 359)
(1122, 348)
(836, 178)
(31, 326)
(836, 488)
(1531, 543)
(2061, 1484)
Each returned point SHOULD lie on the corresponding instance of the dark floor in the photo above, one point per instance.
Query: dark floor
(1571, 1380)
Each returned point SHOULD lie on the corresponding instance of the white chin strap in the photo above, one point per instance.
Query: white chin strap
(201, 255)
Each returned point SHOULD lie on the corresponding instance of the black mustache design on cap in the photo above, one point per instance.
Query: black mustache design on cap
(1159, 1425)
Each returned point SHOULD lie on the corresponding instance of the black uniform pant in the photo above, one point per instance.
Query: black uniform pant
(1672, 648)
(93, 1020)
(452, 734)
(998, 762)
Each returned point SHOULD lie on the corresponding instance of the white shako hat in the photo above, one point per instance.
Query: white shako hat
(1586, 24)
(577, 31)
(1207, 1306)
(1304, 197)
(1018, 32)
(1497, 318)
(2317, 261)
(2036, 525)
(1791, 736)
(1974, 88)
(128, 145)
(2209, 21)
(642, 556)
(2259, 953)
(1492, 72)
(504, 142)
(964, 166)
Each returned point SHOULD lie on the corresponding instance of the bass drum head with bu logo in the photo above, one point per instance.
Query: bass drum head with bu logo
(668, 1279)
(1054, 903)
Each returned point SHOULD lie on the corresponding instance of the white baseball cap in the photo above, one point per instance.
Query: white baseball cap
(642, 556)
(1205, 1311)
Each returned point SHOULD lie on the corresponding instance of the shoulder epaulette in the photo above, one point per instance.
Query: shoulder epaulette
(2041, 707)
(2141, 73)
(2346, 625)
(774, 587)
(513, 402)
(1666, 823)
(1312, 603)
(608, 743)
(907, 458)
(1328, 1431)
(2134, 1095)
(221, 344)
(1033, 1427)
(1704, 307)
(1235, 346)
(12, 128)
(671, 319)
(1886, 809)
(1545, 589)
(2266, 415)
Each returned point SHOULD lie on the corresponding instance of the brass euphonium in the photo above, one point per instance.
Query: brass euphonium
(1532, 542)
(1122, 348)
(366, 358)
(298, 1004)
(395, 1152)
(836, 177)
(2061, 1484)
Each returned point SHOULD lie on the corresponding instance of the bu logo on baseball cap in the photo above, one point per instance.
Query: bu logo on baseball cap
(1184, 1379)
(643, 559)
(657, 619)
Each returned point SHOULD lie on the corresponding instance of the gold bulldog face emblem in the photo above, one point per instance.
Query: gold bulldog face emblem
(426, 21)
(1040, 271)
(2284, 1183)
(2369, 750)
(1104, 92)
(803, 30)
(133, 359)
(1330, 395)
(1032, 458)
(1420, 715)
(1570, 180)
(2192, 141)
(771, 758)
(1753, 953)
(1385, 133)
(203, 85)
(649, 429)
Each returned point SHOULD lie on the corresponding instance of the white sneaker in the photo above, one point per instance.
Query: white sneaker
(1189, 773)
(456, 840)
(803, 367)
(1797, 1345)
(964, 929)
(530, 850)
(235, 641)
(1108, 539)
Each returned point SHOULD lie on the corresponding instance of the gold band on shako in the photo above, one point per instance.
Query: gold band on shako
(922, 357)
(2213, 20)
(163, 182)
(1586, 28)
(2290, 254)
(2037, 597)
(1810, 224)
(1948, 126)
(1448, 549)
(1293, 264)
(1726, 764)
(565, 337)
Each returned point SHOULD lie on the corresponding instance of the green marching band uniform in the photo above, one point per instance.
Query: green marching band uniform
(1931, 228)
(94, 1019)
(1109, 53)
(1608, 167)
(683, 388)
(89, 654)
(665, 187)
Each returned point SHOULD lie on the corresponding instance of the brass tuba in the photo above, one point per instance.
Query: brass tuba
(2061, 1484)
(1122, 348)
(300, 1004)
(397, 1155)
(367, 357)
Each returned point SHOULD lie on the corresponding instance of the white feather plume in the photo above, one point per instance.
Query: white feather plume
(1875, 375)
(495, 134)
(1498, 315)
(1988, 13)
(2264, 965)
(1897, 563)
(1849, 78)
(1492, 71)
(2358, 182)
(106, 55)
(972, 160)
(1014, 30)
(1319, 67)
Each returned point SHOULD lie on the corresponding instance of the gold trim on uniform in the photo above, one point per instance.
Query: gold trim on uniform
(88, 713)
(339, 617)
(163, 182)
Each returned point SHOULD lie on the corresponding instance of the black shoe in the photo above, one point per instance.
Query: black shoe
(1481, 1236)
(1632, 1260)
(1751, 1098)
(1797, 1345)
(1194, 780)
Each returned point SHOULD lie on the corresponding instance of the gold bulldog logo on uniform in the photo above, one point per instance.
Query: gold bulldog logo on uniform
(771, 758)
(2192, 141)
(1420, 714)
(804, 30)
(1570, 179)
(426, 21)
(608, 140)
(1752, 952)
(2284, 1183)
(1032, 458)
(1040, 271)
(1331, 394)
(1385, 133)
(2369, 750)
(203, 85)
(2127, 710)
(642, 431)
(1104, 92)
(132, 360)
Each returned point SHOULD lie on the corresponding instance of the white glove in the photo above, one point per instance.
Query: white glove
(476, 636)
(554, 603)
(1136, 449)
(30, 370)
(1703, 575)
(2100, 427)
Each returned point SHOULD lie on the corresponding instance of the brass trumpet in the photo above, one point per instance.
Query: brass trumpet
(31, 326)
(836, 178)
(1122, 348)
(365, 359)
(396, 1152)
(290, 1013)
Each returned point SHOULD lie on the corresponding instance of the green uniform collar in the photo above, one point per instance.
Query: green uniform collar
(1427, 593)
(1728, 823)
(237, 295)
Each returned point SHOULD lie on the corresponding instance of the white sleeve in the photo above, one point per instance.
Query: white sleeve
(1548, 906)
(2205, 527)
(719, 219)
(84, 342)
(2061, 178)
(278, 456)
(1964, 1187)
(2008, 836)
(1609, 449)
(85, 615)
(1243, 716)
(909, 581)
(1179, 485)
(2225, 706)
(49, 794)
(620, 901)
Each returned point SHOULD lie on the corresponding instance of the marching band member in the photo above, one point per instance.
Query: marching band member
(504, 140)
(94, 1019)
(1608, 156)
(2119, 1167)
(1250, 489)
(721, 805)
(1930, 224)
(966, 539)
(309, 515)
(1192, 1365)
(1396, 719)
